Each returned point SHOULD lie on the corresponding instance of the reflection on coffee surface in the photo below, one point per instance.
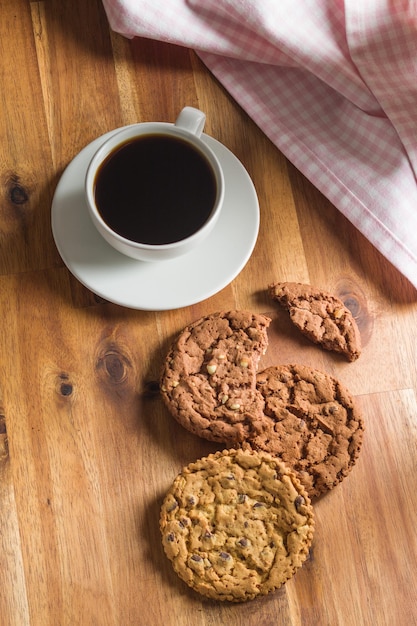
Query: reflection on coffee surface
(155, 189)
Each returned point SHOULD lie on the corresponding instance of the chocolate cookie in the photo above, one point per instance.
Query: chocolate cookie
(236, 524)
(209, 378)
(311, 423)
(320, 316)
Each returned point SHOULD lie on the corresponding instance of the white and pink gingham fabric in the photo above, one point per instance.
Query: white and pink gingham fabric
(333, 83)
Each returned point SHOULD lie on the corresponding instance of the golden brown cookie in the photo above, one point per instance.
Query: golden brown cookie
(320, 316)
(209, 377)
(311, 424)
(236, 524)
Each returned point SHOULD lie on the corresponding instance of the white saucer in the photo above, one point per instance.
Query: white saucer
(166, 284)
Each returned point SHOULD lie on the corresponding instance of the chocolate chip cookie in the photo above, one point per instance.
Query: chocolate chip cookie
(236, 524)
(320, 316)
(311, 424)
(209, 377)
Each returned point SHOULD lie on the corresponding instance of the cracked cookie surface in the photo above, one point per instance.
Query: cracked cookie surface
(311, 423)
(236, 524)
(320, 316)
(208, 380)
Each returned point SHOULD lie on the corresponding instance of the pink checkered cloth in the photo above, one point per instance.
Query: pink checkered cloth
(333, 83)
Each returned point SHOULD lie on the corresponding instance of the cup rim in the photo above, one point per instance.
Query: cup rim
(145, 128)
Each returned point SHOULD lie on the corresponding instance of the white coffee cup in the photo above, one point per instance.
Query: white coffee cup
(155, 190)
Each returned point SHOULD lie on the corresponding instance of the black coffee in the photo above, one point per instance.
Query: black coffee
(155, 189)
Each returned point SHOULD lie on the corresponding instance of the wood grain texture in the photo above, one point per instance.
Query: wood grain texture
(87, 450)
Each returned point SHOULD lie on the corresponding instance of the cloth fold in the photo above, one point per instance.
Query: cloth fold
(332, 83)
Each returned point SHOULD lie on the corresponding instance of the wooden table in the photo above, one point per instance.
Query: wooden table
(87, 449)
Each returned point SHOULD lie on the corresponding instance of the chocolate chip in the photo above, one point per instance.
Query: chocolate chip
(298, 502)
(196, 557)
(225, 556)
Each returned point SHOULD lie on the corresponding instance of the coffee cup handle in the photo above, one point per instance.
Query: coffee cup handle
(191, 120)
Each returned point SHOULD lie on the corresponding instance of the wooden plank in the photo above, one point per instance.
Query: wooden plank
(25, 163)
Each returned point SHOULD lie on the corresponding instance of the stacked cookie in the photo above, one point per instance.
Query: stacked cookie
(209, 377)
(292, 434)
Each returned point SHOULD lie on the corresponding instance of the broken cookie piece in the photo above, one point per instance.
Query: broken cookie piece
(320, 316)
